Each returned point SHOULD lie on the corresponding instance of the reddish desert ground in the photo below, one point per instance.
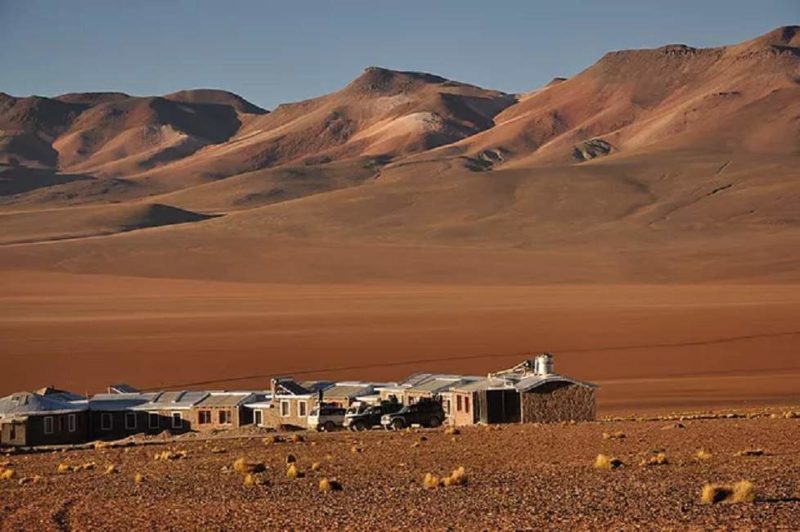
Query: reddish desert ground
(650, 347)
(518, 477)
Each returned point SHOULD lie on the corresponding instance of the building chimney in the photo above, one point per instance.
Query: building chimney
(544, 364)
(273, 387)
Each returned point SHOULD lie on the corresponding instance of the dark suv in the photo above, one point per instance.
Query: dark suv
(426, 412)
(362, 417)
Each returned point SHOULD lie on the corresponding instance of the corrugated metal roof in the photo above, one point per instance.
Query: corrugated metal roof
(485, 384)
(122, 388)
(347, 390)
(181, 399)
(291, 387)
(227, 399)
(113, 402)
(315, 386)
(27, 403)
(529, 383)
(442, 383)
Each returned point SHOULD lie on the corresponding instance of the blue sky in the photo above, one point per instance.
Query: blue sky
(273, 52)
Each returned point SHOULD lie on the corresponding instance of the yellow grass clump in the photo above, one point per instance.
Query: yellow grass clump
(655, 460)
(87, 466)
(240, 465)
(430, 481)
(618, 435)
(356, 449)
(170, 455)
(138, 478)
(297, 438)
(64, 468)
(217, 450)
(274, 438)
(451, 431)
(605, 462)
(251, 480)
(29, 480)
(111, 469)
(7, 474)
(740, 492)
(458, 477)
(315, 466)
(702, 454)
(326, 485)
(294, 472)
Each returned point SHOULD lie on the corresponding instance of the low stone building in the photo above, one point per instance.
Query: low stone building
(223, 410)
(170, 411)
(528, 393)
(44, 417)
(286, 407)
(116, 415)
(342, 394)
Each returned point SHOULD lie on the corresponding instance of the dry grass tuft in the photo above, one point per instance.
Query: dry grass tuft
(430, 481)
(656, 460)
(315, 466)
(275, 438)
(740, 492)
(250, 480)
(451, 431)
(618, 435)
(64, 468)
(605, 462)
(170, 455)
(702, 454)
(111, 469)
(297, 438)
(751, 452)
(138, 478)
(326, 485)
(294, 472)
(241, 465)
(415, 444)
(217, 450)
(356, 449)
(7, 474)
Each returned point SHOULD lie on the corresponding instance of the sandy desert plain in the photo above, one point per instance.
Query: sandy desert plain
(639, 220)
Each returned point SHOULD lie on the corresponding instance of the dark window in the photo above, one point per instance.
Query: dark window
(204, 417)
(466, 405)
(225, 417)
(130, 420)
(458, 403)
(106, 421)
(153, 420)
(177, 420)
(72, 423)
(48, 425)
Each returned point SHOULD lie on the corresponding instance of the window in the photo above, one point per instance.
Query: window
(284, 408)
(177, 420)
(48, 425)
(72, 423)
(258, 417)
(204, 417)
(106, 421)
(153, 420)
(302, 408)
(466, 405)
(130, 420)
(458, 403)
(225, 417)
(446, 407)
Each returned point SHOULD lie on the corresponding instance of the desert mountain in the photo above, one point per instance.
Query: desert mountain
(675, 163)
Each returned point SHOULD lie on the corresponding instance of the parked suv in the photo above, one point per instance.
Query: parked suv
(325, 417)
(362, 416)
(426, 412)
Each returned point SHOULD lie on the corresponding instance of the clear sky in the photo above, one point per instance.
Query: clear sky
(273, 52)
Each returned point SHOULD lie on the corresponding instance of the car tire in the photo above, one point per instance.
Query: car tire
(398, 424)
(328, 426)
(359, 426)
(434, 422)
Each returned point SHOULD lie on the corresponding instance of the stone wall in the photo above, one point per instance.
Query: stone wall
(558, 401)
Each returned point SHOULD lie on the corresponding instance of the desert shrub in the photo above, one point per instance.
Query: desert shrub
(111, 469)
(618, 435)
(740, 492)
(655, 460)
(605, 462)
(63, 468)
(217, 450)
(297, 438)
(7, 474)
(294, 472)
(88, 466)
(315, 466)
(703, 455)
(326, 485)
(250, 480)
(457, 478)
(170, 455)
(751, 452)
(356, 449)
(138, 478)
(451, 431)
(240, 465)
(415, 444)
(430, 481)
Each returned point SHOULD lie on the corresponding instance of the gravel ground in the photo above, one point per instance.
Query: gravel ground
(520, 476)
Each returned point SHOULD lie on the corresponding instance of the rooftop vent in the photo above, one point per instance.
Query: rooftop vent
(543, 364)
